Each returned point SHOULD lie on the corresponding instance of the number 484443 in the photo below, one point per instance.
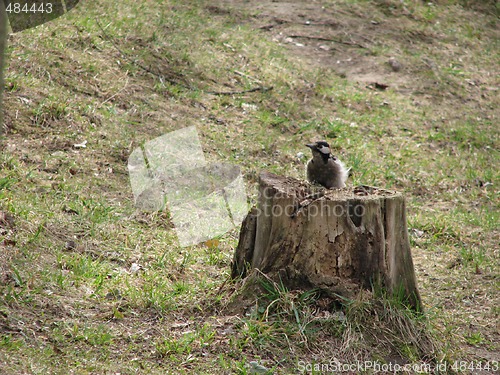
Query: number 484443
(27, 8)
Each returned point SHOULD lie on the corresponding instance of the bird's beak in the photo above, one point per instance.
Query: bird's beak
(311, 145)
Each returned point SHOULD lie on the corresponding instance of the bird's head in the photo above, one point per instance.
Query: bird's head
(320, 148)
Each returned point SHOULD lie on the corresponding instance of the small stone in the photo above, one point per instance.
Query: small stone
(394, 64)
(256, 368)
(70, 245)
(134, 268)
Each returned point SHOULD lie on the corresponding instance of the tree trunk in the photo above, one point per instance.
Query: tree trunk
(340, 241)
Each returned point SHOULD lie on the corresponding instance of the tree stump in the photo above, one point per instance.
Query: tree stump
(340, 241)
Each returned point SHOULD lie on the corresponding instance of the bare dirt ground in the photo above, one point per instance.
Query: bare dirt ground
(378, 50)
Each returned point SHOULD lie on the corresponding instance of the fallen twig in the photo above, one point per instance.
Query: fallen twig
(112, 96)
(260, 88)
(328, 40)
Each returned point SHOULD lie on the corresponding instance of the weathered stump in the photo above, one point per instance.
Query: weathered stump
(340, 241)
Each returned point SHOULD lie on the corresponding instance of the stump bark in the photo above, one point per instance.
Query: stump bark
(340, 241)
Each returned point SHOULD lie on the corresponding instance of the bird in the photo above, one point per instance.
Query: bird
(324, 168)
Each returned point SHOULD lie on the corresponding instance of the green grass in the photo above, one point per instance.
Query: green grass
(90, 284)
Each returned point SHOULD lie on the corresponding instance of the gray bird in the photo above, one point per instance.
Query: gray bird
(324, 168)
